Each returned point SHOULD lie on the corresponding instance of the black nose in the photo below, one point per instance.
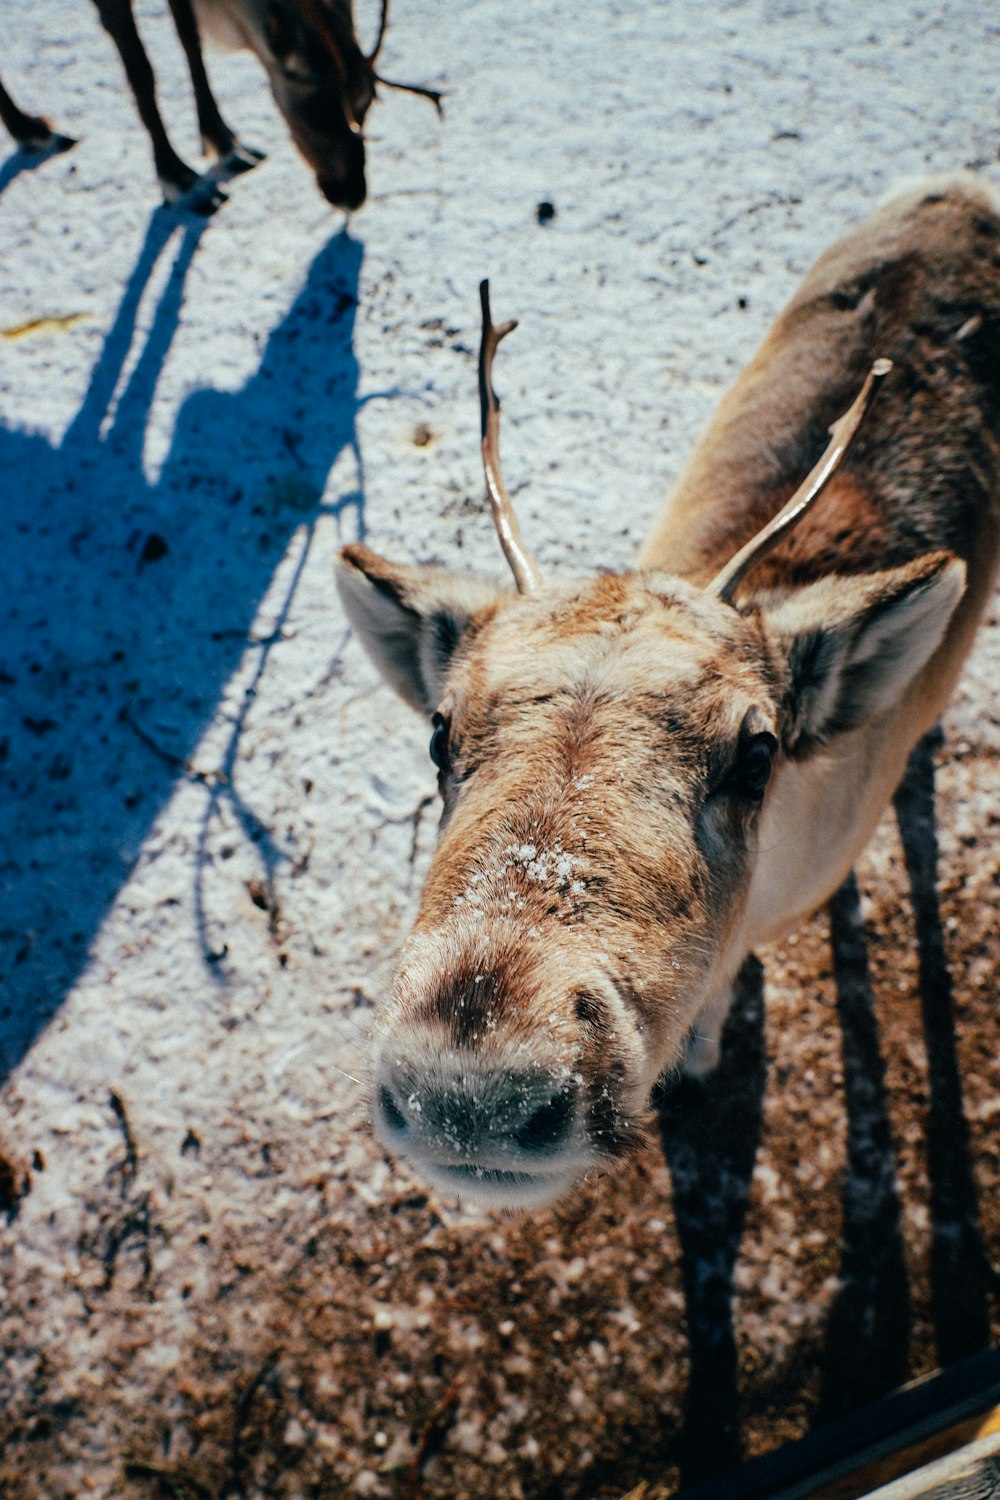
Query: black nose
(477, 1115)
(348, 193)
(550, 1124)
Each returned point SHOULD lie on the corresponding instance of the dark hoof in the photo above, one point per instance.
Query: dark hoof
(204, 198)
(200, 196)
(241, 159)
(53, 144)
(36, 136)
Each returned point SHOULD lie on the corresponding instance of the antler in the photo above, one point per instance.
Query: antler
(383, 22)
(523, 566)
(434, 95)
(726, 582)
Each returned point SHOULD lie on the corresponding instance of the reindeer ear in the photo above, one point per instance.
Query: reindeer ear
(853, 645)
(410, 619)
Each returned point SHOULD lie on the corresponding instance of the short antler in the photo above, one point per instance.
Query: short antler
(523, 566)
(434, 95)
(726, 582)
(383, 22)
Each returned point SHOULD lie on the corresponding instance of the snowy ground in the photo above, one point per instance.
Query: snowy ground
(214, 819)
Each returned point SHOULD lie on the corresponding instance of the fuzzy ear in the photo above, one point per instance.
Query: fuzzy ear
(853, 645)
(410, 619)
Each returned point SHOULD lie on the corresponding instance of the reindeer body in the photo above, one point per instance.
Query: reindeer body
(919, 282)
(643, 775)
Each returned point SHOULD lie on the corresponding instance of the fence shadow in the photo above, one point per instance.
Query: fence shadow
(128, 601)
(710, 1132)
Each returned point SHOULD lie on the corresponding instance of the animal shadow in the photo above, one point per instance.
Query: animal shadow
(129, 599)
(710, 1132)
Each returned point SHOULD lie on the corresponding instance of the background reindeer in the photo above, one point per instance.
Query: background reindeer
(646, 774)
(321, 80)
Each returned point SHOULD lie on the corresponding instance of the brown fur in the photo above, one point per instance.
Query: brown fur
(922, 473)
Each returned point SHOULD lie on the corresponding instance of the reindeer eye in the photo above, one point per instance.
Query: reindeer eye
(752, 770)
(439, 742)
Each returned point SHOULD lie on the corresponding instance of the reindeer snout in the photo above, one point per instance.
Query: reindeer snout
(487, 1133)
(470, 1117)
(485, 1076)
(344, 192)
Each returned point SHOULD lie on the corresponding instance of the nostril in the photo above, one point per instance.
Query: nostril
(392, 1115)
(549, 1126)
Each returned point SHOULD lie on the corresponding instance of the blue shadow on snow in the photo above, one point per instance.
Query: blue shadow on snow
(127, 604)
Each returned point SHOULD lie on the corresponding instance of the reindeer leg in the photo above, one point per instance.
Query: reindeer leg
(180, 183)
(31, 131)
(218, 139)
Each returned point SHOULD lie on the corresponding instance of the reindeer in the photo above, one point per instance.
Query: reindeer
(322, 82)
(646, 774)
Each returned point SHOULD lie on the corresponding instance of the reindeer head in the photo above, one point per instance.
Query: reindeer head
(606, 754)
(324, 86)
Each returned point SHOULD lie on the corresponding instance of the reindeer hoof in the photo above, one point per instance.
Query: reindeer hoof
(53, 144)
(61, 142)
(241, 158)
(202, 195)
(42, 140)
(204, 198)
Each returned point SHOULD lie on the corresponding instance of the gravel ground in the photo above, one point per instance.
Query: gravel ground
(215, 820)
